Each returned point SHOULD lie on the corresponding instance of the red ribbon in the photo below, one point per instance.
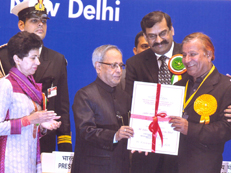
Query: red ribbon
(44, 101)
(141, 117)
(154, 126)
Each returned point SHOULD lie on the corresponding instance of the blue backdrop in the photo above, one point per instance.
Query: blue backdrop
(77, 27)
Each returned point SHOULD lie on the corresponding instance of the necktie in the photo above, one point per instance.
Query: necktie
(164, 75)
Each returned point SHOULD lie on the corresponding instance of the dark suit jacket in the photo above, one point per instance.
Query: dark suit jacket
(52, 70)
(95, 108)
(201, 150)
(144, 67)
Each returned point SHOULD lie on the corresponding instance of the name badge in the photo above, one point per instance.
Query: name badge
(51, 92)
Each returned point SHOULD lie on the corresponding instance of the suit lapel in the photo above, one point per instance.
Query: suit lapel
(44, 64)
(152, 66)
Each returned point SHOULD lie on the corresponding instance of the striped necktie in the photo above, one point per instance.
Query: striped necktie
(164, 75)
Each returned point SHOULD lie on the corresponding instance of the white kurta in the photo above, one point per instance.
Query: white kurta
(20, 149)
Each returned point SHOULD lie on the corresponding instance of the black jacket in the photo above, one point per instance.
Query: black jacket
(201, 149)
(95, 108)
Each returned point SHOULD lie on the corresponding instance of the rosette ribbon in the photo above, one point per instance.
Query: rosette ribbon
(176, 66)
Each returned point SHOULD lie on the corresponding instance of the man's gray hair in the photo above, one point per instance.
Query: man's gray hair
(99, 52)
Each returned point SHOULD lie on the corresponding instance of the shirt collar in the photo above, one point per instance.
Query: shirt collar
(199, 79)
(168, 54)
(104, 85)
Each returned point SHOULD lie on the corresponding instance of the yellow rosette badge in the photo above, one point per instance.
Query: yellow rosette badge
(205, 105)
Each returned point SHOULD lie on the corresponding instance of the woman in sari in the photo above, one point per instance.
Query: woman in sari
(22, 120)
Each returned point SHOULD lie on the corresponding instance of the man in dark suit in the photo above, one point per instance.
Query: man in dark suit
(158, 31)
(101, 118)
(204, 128)
(51, 73)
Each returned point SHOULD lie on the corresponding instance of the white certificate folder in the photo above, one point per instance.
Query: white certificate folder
(151, 105)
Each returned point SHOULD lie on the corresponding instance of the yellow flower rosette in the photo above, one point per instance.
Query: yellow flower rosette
(205, 105)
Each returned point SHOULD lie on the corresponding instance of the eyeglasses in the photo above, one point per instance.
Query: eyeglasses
(154, 36)
(114, 65)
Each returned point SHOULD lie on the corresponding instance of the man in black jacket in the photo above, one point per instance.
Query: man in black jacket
(101, 118)
(204, 128)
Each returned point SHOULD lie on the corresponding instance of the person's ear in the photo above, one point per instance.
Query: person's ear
(135, 50)
(21, 25)
(172, 30)
(209, 55)
(97, 67)
(17, 60)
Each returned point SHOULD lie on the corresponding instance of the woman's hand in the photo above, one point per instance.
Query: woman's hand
(42, 116)
(51, 125)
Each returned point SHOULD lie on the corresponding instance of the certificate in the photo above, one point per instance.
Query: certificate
(151, 105)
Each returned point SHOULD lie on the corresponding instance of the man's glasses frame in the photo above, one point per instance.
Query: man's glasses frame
(114, 65)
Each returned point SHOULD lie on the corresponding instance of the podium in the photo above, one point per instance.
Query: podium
(57, 162)
(226, 167)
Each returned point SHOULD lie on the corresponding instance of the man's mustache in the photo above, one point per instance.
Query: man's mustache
(157, 44)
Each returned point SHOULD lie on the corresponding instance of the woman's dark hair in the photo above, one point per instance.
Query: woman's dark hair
(21, 44)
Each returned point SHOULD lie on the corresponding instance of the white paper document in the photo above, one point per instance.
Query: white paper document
(169, 99)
